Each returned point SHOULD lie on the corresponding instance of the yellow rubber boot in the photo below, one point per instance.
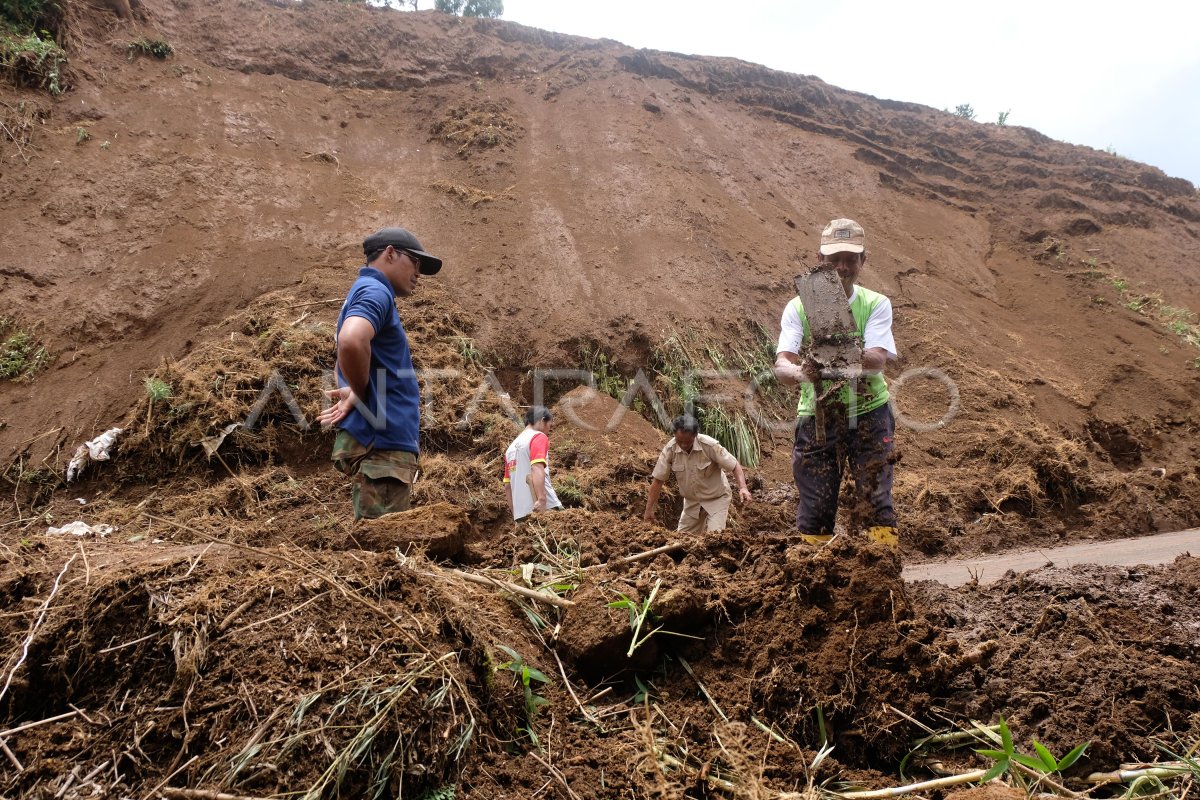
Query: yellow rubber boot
(884, 534)
(815, 539)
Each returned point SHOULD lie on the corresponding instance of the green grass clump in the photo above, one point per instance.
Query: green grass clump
(609, 380)
(734, 431)
(1182, 322)
(20, 355)
(33, 60)
(569, 492)
(157, 389)
(31, 15)
(155, 48)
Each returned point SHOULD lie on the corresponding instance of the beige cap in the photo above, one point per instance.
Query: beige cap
(843, 236)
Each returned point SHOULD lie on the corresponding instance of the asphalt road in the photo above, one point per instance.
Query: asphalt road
(1159, 549)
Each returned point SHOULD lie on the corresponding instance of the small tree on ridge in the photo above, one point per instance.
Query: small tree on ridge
(492, 9)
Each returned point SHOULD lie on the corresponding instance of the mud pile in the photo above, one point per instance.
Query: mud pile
(280, 669)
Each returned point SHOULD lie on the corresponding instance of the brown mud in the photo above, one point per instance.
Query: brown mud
(238, 632)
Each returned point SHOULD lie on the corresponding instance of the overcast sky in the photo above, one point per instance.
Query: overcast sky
(1124, 76)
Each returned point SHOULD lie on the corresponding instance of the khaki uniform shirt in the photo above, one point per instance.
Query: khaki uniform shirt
(699, 474)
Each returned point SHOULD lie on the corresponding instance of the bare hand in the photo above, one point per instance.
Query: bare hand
(745, 495)
(343, 403)
(539, 504)
(648, 517)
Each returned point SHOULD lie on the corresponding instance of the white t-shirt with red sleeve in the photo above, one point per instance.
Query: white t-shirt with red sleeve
(531, 447)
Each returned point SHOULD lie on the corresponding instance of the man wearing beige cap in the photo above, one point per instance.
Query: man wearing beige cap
(377, 405)
(862, 431)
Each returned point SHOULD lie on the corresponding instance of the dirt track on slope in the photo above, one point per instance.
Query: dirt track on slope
(1146, 550)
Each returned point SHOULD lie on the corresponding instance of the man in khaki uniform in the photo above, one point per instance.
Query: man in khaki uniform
(699, 464)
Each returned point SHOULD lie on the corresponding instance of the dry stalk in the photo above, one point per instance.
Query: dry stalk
(897, 791)
(571, 690)
(87, 568)
(337, 585)
(203, 794)
(165, 780)
(127, 644)
(33, 628)
(653, 753)
(533, 594)
(16, 762)
(237, 612)
(558, 776)
(280, 615)
(703, 689)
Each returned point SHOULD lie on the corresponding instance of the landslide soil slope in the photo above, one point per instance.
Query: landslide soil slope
(583, 193)
(239, 632)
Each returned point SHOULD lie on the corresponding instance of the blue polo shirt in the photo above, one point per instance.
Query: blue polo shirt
(394, 424)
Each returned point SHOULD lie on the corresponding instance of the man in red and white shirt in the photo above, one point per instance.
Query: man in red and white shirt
(527, 469)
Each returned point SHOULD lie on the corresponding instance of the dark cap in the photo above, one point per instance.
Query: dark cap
(401, 240)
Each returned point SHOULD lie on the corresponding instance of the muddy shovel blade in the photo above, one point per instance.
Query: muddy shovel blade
(830, 322)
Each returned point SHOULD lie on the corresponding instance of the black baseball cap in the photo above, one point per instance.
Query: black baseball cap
(401, 239)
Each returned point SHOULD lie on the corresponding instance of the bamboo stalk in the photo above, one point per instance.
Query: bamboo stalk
(666, 548)
(28, 725)
(1046, 779)
(533, 594)
(762, 726)
(956, 736)
(897, 791)
(203, 794)
(728, 786)
(16, 762)
(703, 689)
(1122, 775)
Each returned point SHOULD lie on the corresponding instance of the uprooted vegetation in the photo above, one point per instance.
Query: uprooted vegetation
(33, 59)
(750, 667)
(476, 126)
(730, 388)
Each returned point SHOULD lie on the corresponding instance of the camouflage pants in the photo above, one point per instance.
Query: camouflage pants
(381, 480)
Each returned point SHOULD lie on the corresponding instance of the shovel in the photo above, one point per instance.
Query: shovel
(833, 335)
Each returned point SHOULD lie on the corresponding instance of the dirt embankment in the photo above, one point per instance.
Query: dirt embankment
(622, 210)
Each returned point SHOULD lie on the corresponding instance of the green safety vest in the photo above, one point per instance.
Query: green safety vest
(872, 390)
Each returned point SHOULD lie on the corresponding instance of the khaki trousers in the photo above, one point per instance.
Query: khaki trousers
(701, 516)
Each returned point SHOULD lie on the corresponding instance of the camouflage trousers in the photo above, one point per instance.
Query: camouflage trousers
(381, 480)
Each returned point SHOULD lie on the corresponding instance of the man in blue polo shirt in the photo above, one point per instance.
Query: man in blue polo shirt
(377, 404)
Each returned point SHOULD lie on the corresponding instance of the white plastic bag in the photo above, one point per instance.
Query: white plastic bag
(81, 528)
(95, 450)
